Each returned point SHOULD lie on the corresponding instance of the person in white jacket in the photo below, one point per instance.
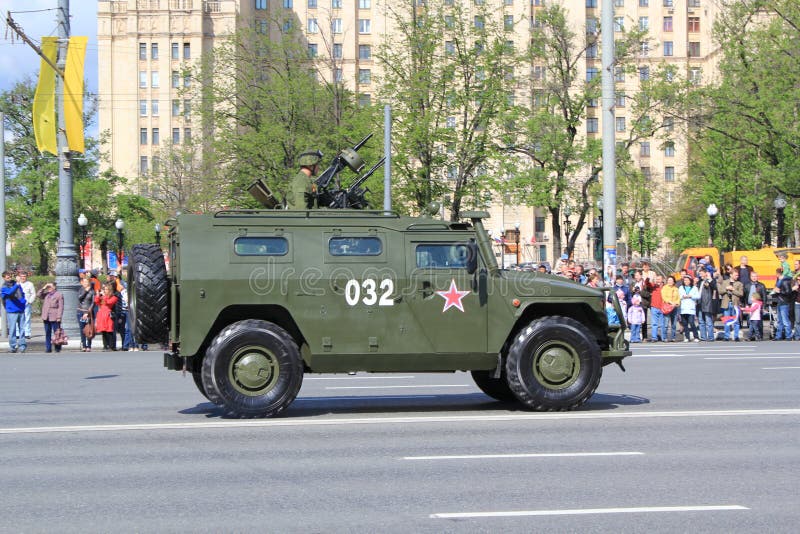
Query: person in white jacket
(689, 295)
(30, 297)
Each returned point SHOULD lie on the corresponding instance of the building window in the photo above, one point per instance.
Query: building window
(479, 22)
(591, 26)
(644, 3)
(694, 3)
(312, 50)
(142, 136)
(156, 137)
(667, 48)
(508, 22)
(619, 24)
(540, 73)
(364, 76)
(619, 3)
(312, 4)
(143, 108)
(337, 75)
(142, 79)
(142, 51)
(156, 164)
(336, 25)
(644, 73)
(154, 51)
(644, 23)
(187, 51)
(336, 4)
(694, 49)
(449, 47)
(591, 73)
(619, 74)
(695, 75)
(450, 122)
(591, 125)
(646, 173)
(364, 52)
(176, 79)
(619, 124)
(669, 149)
(287, 25)
(312, 26)
(669, 124)
(154, 108)
(261, 4)
(667, 24)
(644, 149)
(288, 4)
(591, 51)
(261, 26)
(591, 103)
(364, 99)
(176, 108)
(175, 51)
(619, 100)
(591, 4)
(669, 174)
(644, 49)
(364, 4)
(143, 165)
(337, 51)
(154, 79)
(176, 136)
(694, 24)
(364, 26)
(187, 108)
(187, 80)
(667, 3)
(187, 135)
(508, 2)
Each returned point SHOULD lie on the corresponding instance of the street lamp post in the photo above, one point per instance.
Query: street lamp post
(567, 228)
(598, 250)
(640, 224)
(712, 212)
(501, 236)
(780, 205)
(158, 234)
(516, 239)
(120, 237)
(82, 222)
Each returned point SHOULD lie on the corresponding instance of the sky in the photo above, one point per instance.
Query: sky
(38, 19)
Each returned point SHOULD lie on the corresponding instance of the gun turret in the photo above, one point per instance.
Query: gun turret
(354, 196)
(333, 195)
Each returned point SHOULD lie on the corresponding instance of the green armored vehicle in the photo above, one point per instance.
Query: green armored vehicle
(254, 299)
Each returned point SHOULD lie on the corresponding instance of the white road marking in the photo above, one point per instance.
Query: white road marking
(675, 355)
(299, 422)
(589, 511)
(398, 386)
(356, 377)
(366, 397)
(700, 347)
(754, 358)
(523, 455)
(770, 368)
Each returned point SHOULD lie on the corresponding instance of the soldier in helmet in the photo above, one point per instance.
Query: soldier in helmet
(301, 192)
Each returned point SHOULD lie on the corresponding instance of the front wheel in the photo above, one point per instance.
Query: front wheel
(554, 364)
(255, 367)
(496, 388)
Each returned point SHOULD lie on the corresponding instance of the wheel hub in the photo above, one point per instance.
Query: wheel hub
(254, 371)
(557, 366)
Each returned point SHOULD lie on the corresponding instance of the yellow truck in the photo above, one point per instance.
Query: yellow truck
(763, 261)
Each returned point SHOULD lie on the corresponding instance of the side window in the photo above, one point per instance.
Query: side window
(261, 246)
(355, 246)
(442, 256)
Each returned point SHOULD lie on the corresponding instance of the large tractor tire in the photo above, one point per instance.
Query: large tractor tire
(554, 364)
(148, 294)
(255, 367)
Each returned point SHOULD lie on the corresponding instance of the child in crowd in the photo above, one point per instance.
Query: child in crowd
(755, 317)
(636, 318)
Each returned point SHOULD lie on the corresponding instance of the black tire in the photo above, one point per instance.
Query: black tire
(256, 368)
(209, 389)
(496, 388)
(148, 294)
(197, 376)
(554, 364)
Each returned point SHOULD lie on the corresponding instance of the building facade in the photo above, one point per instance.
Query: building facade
(145, 47)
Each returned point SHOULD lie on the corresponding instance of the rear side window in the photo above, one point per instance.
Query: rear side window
(442, 256)
(260, 246)
(355, 246)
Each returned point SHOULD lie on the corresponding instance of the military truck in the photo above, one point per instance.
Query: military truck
(255, 299)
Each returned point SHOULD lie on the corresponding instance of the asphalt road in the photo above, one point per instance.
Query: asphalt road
(692, 438)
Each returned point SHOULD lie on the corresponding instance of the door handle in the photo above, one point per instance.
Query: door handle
(426, 289)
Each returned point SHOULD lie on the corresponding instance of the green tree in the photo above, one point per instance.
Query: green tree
(448, 77)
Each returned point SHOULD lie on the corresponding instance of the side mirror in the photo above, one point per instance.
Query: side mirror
(472, 257)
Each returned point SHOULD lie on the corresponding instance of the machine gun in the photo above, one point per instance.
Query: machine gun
(354, 196)
(334, 196)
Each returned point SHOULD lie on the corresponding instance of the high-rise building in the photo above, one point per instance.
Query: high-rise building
(145, 46)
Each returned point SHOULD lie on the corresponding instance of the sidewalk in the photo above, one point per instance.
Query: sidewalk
(36, 342)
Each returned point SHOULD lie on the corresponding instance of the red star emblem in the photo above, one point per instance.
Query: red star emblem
(452, 297)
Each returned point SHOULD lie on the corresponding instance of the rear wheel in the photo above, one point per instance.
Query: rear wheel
(496, 388)
(148, 294)
(554, 364)
(255, 367)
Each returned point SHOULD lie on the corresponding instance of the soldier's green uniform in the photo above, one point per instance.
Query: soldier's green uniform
(301, 191)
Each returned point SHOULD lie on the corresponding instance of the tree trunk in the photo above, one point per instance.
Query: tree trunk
(43, 257)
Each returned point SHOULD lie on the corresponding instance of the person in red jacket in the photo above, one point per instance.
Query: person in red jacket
(104, 323)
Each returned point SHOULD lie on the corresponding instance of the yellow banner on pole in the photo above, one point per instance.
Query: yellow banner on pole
(73, 93)
(44, 100)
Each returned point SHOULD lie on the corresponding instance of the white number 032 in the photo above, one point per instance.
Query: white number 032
(354, 290)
